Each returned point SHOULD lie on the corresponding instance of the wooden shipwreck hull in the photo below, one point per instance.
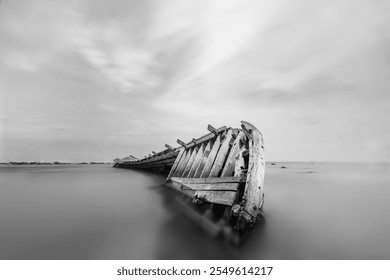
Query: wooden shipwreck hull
(221, 174)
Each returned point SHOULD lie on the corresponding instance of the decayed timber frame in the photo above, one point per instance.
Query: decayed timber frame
(224, 167)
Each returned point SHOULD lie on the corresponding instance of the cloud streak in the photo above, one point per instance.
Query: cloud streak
(113, 74)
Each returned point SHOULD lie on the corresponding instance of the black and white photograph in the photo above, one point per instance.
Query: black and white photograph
(194, 130)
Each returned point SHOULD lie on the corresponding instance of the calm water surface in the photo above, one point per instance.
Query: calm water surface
(313, 211)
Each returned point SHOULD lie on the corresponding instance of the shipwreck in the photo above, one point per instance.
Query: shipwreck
(221, 175)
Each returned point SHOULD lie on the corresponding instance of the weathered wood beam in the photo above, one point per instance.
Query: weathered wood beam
(169, 147)
(196, 161)
(210, 160)
(221, 156)
(203, 160)
(211, 187)
(182, 143)
(240, 164)
(157, 158)
(210, 180)
(212, 129)
(228, 169)
(254, 188)
(162, 162)
(210, 193)
(190, 162)
(218, 197)
(183, 163)
(178, 158)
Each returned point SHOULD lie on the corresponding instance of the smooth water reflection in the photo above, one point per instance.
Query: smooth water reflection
(313, 211)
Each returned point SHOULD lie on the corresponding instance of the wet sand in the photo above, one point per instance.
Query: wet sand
(313, 211)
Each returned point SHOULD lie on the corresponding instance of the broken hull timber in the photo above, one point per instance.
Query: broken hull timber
(221, 174)
(161, 162)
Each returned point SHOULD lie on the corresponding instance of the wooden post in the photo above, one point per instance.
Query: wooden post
(212, 129)
(181, 143)
(169, 147)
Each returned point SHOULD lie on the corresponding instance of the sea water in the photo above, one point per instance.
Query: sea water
(313, 211)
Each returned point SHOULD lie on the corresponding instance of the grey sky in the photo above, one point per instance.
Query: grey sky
(94, 80)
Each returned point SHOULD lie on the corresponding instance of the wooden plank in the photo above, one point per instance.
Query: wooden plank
(214, 180)
(169, 155)
(228, 169)
(181, 153)
(211, 196)
(153, 161)
(210, 160)
(212, 187)
(203, 160)
(179, 187)
(159, 163)
(196, 161)
(221, 156)
(254, 188)
(182, 163)
(185, 163)
(190, 162)
(240, 164)
(218, 197)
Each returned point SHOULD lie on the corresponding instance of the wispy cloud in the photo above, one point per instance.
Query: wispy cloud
(105, 72)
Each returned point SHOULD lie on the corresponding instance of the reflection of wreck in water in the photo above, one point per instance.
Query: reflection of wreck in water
(221, 174)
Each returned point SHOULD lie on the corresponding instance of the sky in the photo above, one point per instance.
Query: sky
(95, 80)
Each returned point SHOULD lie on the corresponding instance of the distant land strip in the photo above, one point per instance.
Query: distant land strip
(49, 163)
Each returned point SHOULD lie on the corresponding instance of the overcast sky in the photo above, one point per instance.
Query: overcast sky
(95, 80)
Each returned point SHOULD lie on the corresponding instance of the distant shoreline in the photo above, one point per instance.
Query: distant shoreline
(50, 163)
